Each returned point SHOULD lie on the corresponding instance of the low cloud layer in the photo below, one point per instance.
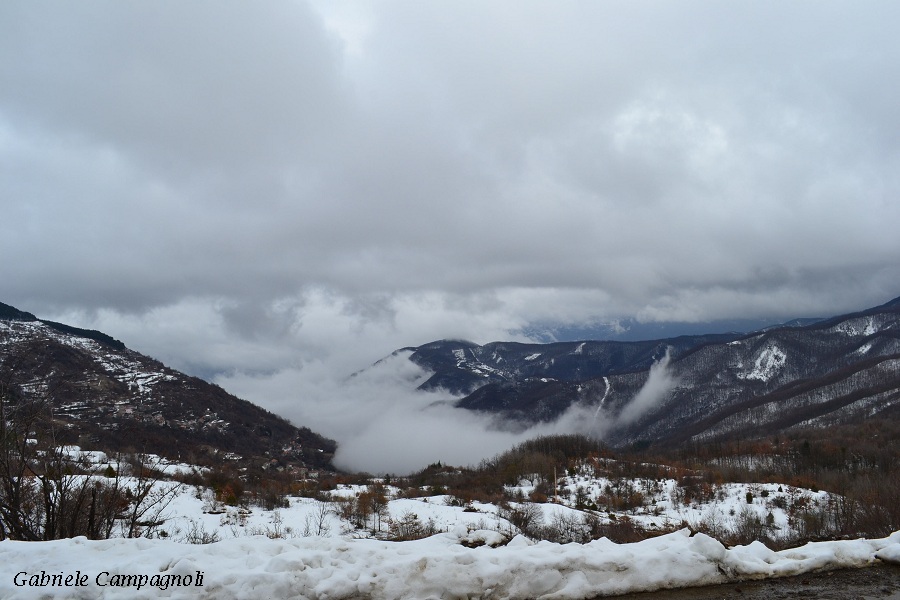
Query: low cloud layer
(673, 163)
(382, 424)
(660, 382)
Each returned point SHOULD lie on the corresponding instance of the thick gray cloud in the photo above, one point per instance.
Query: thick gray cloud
(232, 186)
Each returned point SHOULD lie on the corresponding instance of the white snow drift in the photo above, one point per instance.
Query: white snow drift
(437, 567)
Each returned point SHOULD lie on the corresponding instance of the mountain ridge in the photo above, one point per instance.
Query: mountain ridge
(104, 395)
(13, 314)
(804, 371)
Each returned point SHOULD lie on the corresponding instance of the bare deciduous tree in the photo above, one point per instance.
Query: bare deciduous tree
(47, 493)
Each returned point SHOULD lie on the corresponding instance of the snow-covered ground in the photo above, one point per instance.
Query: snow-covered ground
(441, 566)
(190, 516)
(194, 513)
(308, 550)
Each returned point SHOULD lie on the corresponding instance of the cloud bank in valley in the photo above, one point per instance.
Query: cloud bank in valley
(385, 425)
(382, 423)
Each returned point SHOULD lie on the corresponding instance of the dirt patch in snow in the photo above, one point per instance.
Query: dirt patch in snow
(880, 582)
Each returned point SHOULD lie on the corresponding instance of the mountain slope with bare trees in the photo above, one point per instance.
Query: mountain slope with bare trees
(100, 394)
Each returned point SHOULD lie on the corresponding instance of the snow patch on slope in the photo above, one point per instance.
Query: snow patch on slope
(120, 365)
(858, 327)
(767, 364)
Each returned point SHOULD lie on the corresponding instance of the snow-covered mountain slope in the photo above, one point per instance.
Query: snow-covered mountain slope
(461, 367)
(103, 395)
(845, 369)
(835, 370)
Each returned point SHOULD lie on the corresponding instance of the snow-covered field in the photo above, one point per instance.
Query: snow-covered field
(308, 550)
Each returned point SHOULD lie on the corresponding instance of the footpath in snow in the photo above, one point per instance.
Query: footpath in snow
(457, 564)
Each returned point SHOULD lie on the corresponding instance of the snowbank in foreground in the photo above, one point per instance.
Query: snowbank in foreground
(436, 567)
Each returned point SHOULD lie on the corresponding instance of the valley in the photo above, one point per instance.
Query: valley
(769, 442)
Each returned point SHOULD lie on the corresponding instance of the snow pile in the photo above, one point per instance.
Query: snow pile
(889, 554)
(437, 567)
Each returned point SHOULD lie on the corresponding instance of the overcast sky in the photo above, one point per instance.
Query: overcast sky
(250, 190)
